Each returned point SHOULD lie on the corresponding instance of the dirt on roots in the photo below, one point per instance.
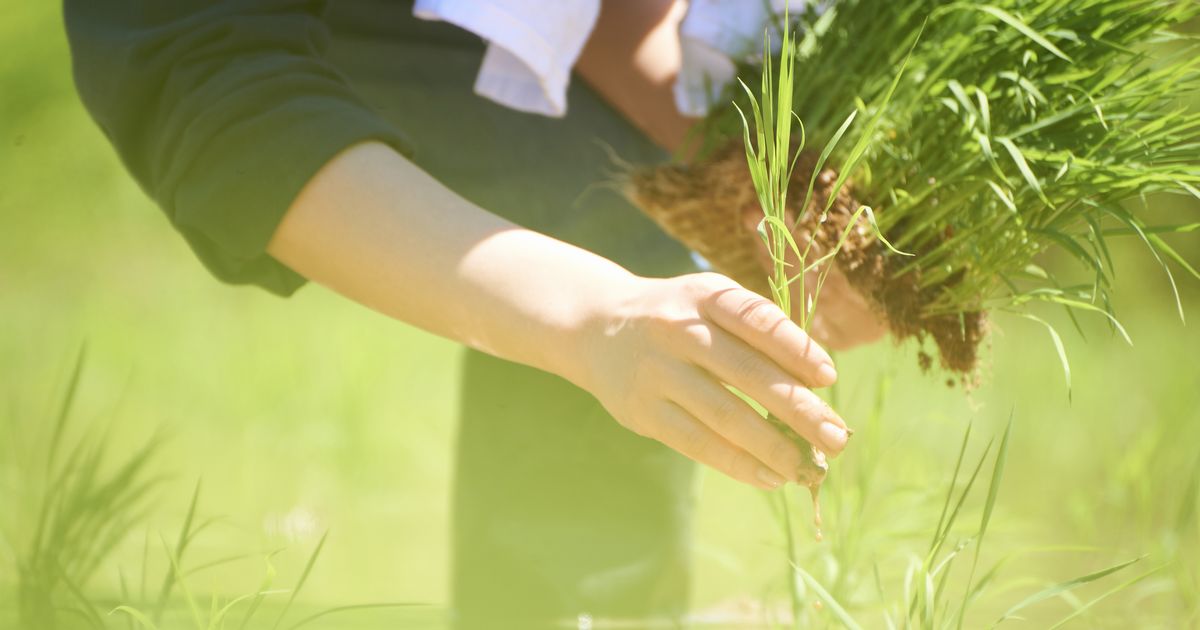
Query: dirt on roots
(706, 204)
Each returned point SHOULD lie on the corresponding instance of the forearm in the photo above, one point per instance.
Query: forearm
(632, 59)
(655, 352)
(377, 229)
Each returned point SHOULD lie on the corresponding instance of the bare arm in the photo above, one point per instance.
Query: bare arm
(382, 232)
(182, 90)
(632, 59)
(377, 229)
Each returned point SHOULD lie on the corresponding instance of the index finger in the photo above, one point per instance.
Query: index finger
(761, 324)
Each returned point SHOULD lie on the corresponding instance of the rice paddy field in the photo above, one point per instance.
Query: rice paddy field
(279, 424)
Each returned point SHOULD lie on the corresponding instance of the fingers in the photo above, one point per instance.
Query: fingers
(679, 430)
(732, 361)
(711, 403)
(761, 324)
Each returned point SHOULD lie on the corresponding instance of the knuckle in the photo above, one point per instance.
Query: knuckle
(748, 367)
(726, 414)
(707, 285)
(698, 334)
(783, 452)
(718, 456)
(748, 466)
(710, 281)
(807, 409)
(734, 463)
(667, 324)
(695, 441)
(760, 314)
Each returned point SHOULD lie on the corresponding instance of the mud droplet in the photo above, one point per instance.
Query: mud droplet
(815, 491)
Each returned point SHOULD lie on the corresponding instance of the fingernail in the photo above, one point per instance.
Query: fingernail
(770, 477)
(826, 375)
(832, 436)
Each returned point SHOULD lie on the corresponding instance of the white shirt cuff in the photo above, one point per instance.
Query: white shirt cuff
(713, 37)
(532, 46)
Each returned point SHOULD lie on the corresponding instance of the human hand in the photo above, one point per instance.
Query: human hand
(657, 357)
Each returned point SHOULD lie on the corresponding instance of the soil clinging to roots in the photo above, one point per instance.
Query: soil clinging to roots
(705, 205)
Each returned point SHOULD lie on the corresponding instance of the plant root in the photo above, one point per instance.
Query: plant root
(705, 204)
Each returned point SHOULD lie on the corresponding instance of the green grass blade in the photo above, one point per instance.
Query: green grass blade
(825, 153)
(1180, 228)
(312, 559)
(1195, 192)
(874, 223)
(1093, 308)
(216, 563)
(961, 500)
(835, 607)
(340, 609)
(868, 132)
(181, 544)
(1018, 158)
(789, 536)
(136, 615)
(64, 410)
(1058, 346)
(263, 590)
(187, 594)
(1162, 246)
(799, 148)
(986, 518)
(994, 487)
(962, 452)
(1003, 196)
(217, 619)
(983, 582)
(88, 608)
(1103, 596)
(1022, 27)
(1060, 588)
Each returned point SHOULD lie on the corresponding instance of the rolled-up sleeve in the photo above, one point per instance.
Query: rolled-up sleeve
(222, 111)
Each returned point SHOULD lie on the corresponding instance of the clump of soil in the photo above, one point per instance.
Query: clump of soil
(705, 204)
(814, 467)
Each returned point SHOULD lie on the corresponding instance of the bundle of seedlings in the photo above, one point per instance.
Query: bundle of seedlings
(961, 141)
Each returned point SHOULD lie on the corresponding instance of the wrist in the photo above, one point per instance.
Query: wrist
(597, 312)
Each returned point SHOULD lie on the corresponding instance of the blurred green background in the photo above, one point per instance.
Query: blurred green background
(312, 414)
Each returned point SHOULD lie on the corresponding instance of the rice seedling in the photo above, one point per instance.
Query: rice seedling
(1016, 127)
(769, 156)
(73, 507)
(955, 144)
(910, 166)
(771, 159)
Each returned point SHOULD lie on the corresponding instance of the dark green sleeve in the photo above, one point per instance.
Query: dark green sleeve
(222, 111)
